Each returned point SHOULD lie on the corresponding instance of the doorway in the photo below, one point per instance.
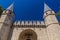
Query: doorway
(28, 34)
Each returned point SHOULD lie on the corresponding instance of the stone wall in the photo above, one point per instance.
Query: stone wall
(41, 32)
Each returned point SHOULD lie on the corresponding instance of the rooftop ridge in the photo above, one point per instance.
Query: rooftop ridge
(29, 23)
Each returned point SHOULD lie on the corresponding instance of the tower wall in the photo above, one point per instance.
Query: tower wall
(5, 24)
(53, 28)
(2, 19)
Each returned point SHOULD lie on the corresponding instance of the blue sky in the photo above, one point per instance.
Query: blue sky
(30, 9)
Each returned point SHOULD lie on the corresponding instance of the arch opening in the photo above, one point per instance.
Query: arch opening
(28, 34)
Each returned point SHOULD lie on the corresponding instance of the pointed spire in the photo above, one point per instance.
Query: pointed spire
(46, 7)
(11, 7)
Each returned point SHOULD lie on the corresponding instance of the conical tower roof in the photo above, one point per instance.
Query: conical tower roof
(11, 7)
(46, 7)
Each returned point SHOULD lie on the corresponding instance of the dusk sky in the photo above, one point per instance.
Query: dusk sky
(30, 9)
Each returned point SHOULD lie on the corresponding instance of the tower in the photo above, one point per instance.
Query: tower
(6, 22)
(53, 28)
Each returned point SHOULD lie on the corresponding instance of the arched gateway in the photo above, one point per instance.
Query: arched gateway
(28, 34)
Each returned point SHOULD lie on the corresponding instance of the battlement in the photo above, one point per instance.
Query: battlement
(27, 23)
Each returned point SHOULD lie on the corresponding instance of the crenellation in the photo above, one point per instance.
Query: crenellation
(29, 23)
(26, 22)
(15, 23)
(38, 23)
(22, 23)
(42, 23)
(18, 22)
(34, 23)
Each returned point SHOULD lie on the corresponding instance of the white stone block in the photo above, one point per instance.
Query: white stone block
(22, 23)
(30, 23)
(38, 23)
(26, 22)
